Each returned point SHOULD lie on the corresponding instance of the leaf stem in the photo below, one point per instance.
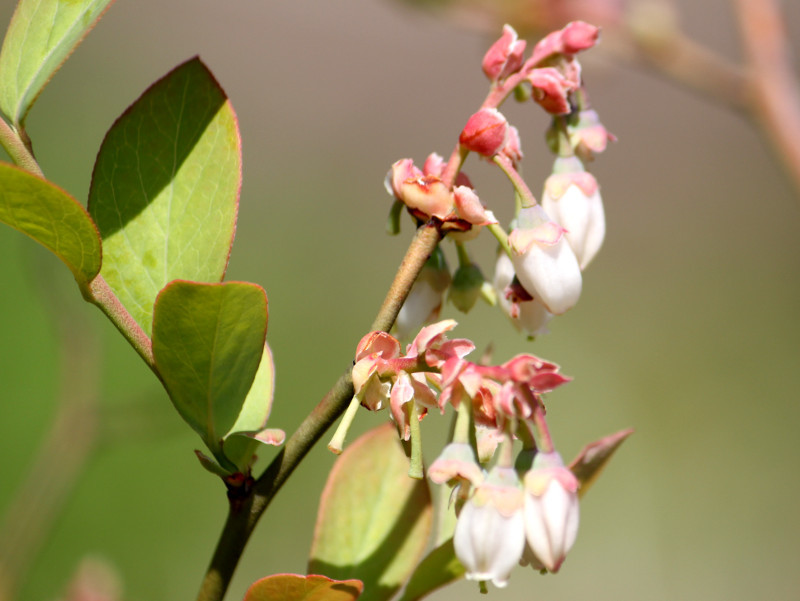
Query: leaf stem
(243, 515)
(100, 294)
(17, 148)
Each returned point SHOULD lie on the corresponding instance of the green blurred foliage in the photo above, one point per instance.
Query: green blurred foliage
(687, 329)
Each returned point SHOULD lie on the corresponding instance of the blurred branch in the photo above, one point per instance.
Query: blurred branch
(243, 514)
(61, 457)
(684, 61)
(775, 93)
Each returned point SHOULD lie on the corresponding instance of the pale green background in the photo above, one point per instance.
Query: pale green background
(687, 330)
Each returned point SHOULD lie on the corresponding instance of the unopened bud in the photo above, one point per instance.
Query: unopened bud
(485, 132)
(505, 55)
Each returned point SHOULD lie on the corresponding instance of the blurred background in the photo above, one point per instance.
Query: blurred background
(687, 329)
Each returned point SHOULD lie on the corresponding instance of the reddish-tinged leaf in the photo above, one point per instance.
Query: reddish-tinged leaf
(165, 188)
(593, 458)
(374, 521)
(293, 587)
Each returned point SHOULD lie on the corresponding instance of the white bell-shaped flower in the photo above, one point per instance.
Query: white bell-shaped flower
(572, 199)
(544, 262)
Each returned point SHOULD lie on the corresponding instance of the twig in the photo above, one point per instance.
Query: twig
(775, 93)
(60, 460)
(244, 514)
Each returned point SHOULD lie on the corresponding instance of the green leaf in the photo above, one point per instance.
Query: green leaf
(41, 35)
(207, 345)
(440, 567)
(373, 521)
(53, 218)
(291, 587)
(165, 189)
(248, 433)
(593, 458)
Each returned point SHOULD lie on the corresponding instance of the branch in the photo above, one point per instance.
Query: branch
(243, 514)
(61, 457)
(775, 93)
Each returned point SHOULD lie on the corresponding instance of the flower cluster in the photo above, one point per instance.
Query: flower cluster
(523, 511)
(539, 271)
(514, 506)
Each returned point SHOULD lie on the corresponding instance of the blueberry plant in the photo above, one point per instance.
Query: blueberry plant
(150, 249)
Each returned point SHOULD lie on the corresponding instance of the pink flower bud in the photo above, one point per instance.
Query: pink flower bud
(589, 136)
(469, 207)
(513, 148)
(577, 36)
(551, 510)
(544, 263)
(505, 55)
(551, 90)
(485, 132)
(572, 199)
(569, 40)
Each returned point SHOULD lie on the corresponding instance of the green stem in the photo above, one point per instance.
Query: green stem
(500, 235)
(415, 470)
(243, 515)
(521, 188)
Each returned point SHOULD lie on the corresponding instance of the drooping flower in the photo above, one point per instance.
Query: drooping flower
(572, 198)
(489, 537)
(544, 263)
(551, 510)
(527, 313)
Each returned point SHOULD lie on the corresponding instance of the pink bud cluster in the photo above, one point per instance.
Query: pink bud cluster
(550, 244)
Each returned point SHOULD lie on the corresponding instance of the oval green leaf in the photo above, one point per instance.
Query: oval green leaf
(292, 587)
(249, 432)
(53, 218)
(41, 35)
(165, 189)
(207, 345)
(374, 521)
